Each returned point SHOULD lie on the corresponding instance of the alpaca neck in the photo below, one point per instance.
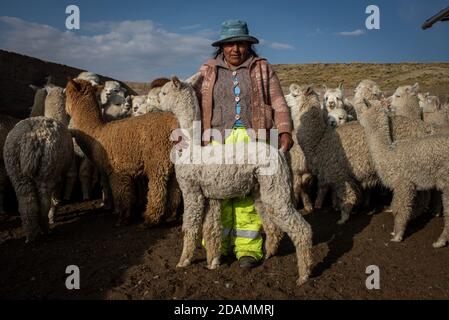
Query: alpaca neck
(310, 129)
(378, 135)
(86, 116)
(189, 117)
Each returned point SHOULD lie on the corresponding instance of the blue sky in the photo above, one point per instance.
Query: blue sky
(141, 40)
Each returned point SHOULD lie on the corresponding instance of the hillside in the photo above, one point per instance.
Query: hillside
(17, 72)
(432, 77)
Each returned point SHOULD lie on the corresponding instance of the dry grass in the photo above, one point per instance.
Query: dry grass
(432, 77)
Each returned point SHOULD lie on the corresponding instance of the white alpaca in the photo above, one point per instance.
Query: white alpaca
(335, 99)
(93, 78)
(203, 184)
(405, 102)
(433, 112)
(114, 103)
(338, 117)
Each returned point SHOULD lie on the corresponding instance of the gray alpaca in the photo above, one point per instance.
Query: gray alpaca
(203, 185)
(38, 152)
(406, 166)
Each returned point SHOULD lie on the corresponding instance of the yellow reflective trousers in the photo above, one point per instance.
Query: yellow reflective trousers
(241, 223)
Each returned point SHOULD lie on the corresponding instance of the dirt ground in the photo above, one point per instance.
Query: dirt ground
(136, 263)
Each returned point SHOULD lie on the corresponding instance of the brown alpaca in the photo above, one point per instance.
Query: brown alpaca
(159, 83)
(126, 149)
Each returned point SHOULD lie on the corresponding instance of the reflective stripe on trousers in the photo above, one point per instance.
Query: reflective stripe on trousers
(240, 221)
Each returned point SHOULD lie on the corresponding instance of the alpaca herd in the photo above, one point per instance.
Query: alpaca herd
(345, 145)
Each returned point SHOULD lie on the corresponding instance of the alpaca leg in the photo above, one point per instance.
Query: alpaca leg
(306, 180)
(322, 191)
(174, 199)
(347, 194)
(70, 180)
(85, 173)
(444, 237)
(157, 198)
(95, 175)
(300, 232)
(335, 204)
(191, 225)
(3, 179)
(404, 194)
(108, 199)
(273, 234)
(123, 196)
(212, 233)
(47, 210)
(28, 207)
(296, 188)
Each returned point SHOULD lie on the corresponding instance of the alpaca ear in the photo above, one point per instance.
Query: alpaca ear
(340, 86)
(32, 86)
(324, 87)
(49, 88)
(350, 117)
(309, 91)
(176, 82)
(294, 89)
(421, 97)
(415, 88)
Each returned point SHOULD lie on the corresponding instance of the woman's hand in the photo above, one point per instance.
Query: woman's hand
(285, 141)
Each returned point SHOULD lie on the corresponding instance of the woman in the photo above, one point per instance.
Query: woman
(241, 91)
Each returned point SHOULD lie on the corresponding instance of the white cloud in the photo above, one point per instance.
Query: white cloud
(126, 50)
(281, 46)
(354, 33)
(275, 45)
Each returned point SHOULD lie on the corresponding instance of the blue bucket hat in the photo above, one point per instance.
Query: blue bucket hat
(234, 30)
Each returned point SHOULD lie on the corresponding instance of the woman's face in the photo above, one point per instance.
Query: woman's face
(236, 53)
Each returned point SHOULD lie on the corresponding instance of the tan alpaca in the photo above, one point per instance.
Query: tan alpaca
(124, 150)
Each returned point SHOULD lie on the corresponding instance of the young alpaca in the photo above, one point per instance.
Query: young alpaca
(123, 150)
(407, 166)
(203, 181)
(338, 117)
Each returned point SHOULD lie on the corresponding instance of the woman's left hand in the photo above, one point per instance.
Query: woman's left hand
(285, 141)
